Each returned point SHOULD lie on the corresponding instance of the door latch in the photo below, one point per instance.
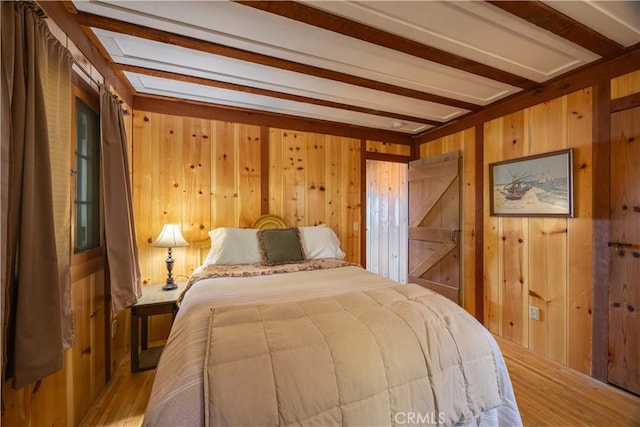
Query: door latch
(619, 245)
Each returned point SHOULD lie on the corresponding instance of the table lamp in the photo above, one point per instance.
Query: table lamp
(169, 237)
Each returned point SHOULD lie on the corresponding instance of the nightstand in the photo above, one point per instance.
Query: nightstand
(154, 301)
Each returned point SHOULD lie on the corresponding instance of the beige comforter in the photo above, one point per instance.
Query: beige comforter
(374, 357)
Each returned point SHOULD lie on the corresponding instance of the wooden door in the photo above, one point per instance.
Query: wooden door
(624, 283)
(434, 222)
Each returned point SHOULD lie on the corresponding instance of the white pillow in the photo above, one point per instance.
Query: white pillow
(231, 246)
(320, 242)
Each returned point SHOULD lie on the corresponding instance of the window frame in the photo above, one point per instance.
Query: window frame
(92, 260)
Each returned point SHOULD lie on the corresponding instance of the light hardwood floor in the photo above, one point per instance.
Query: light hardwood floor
(548, 394)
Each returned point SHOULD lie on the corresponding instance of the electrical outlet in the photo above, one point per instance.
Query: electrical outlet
(534, 312)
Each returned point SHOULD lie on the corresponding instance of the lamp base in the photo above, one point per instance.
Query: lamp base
(169, 286)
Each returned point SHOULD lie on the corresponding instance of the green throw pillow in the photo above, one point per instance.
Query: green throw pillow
(280, 246)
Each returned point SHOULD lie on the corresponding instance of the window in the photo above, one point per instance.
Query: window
(87, 173)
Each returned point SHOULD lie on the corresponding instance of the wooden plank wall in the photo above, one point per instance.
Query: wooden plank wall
(204, 174)
(388, 148)
(384, 194)
(625, 85)
(315, 179)
(532, 261)
(387, 219)
(177, 164)
(543, 262)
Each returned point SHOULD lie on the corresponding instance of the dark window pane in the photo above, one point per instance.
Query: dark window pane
(87, 199)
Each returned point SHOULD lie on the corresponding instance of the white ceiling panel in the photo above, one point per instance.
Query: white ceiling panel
(618, 20)
(472, 29)
(131, 50)
(235, 25)
(195, 92)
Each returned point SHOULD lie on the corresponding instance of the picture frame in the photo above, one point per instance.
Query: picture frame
(533, 186)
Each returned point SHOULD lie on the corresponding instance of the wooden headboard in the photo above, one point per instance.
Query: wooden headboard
(264, 222)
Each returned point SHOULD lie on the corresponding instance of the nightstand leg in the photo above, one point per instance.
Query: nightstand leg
(145, 333)
(135, 362)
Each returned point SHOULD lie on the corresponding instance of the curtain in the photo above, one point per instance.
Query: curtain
(56, 83)
(37, 311)
(120, 233)
(5, 135)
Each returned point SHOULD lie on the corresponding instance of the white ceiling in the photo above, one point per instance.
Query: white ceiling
(473, 30)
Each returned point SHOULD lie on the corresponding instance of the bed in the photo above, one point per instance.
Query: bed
(275, 328)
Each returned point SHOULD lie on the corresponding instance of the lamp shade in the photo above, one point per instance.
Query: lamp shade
(170, 237)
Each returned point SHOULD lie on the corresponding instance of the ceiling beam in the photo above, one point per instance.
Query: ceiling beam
(337, 24)
(625, 103)
(158, 35)
(590, 75)
(271, 93)
(204, 110)
(560, 24)
(386, 157)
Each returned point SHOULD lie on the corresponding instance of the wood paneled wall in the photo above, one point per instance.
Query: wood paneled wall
(532, 261)
(386, 221)
(388, 148)
(186, 171)
(544, 262)
(625, 85)
(315, 179)
(204, 174)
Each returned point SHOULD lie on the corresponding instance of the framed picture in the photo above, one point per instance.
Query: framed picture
(540, 185)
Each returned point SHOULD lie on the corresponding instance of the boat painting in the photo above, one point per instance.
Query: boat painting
(517, 188)
(533, 186)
